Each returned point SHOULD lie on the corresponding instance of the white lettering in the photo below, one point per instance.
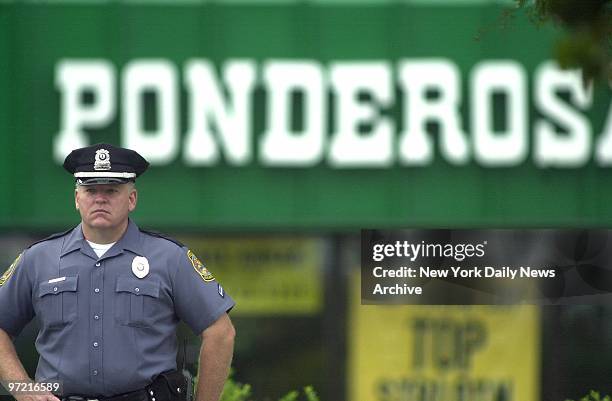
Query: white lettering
(397, 289)
(281, 146)
(552, 149)
(509, 147)
(417, 79)
(220, 122)
(349, 147)
(209, 112)
(429, 272)
(74, 78)
(157, 77)
(604, 144)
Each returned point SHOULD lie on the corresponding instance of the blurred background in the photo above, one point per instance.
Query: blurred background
(276, 129)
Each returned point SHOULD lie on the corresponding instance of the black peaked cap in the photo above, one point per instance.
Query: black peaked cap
(104, 163)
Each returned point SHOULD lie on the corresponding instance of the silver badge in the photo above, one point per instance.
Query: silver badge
(140, 266)
(102, 161)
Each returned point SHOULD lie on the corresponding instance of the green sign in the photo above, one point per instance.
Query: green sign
(301, 115)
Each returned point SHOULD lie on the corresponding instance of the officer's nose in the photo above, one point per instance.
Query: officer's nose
(100, 198)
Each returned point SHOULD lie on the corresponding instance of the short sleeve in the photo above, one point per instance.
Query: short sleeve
(16, 297)
(199, 300)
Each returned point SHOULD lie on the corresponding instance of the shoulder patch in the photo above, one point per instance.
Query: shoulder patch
(52, 236)
(9, 272)
(199, 267)
(164, 236)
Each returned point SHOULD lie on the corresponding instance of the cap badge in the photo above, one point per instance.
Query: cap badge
(102, 161)
(140, 266)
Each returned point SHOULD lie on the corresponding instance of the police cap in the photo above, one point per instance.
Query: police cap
(103, 163)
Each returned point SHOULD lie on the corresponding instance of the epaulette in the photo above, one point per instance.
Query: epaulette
(160, 235)
(50, 237)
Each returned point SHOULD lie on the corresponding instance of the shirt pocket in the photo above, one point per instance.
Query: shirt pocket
(58, 302)
(136, 301)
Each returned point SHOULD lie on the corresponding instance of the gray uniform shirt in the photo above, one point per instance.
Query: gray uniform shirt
(103, 330)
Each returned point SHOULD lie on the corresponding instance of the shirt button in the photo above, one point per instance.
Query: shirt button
(95, 344)
(98, 264)
(96, 290)
(137, 289)
(94, 372)
(96, 317)
(55, 289)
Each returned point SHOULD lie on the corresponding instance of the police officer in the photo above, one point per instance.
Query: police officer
(109, 296)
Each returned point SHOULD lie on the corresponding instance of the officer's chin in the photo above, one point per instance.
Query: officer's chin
(100, 217)
(100, 220)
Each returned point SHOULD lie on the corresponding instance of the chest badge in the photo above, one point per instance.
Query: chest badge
(140, 266)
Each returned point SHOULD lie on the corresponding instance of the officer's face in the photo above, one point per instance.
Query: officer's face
(105, 206)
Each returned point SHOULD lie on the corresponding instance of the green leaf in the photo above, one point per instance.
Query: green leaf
(234, 391)
(311, 394)
(290, 396)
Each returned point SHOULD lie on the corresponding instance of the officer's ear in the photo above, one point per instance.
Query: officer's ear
(133, 197)
(76, 203)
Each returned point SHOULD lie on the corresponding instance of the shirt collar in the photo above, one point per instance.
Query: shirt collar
(129, 241)
(74, 240)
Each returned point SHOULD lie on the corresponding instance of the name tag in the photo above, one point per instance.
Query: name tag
(57, 280)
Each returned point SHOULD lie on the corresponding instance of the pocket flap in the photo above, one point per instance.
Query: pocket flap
(138, 286)
(69, 284)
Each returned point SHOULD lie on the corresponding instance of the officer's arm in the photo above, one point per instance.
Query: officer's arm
(11, 369)
(215, 358)
(10, 365)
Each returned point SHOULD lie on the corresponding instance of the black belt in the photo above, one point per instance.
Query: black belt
(167, 386)
(138, 395)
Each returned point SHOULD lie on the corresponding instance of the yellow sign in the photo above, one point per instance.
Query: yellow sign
(266, 276)
(443, 353)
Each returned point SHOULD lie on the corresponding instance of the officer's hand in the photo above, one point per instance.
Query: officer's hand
(36, 397)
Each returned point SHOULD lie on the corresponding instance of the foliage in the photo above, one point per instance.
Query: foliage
(234, 391)
(594, 396)
(587, 43)
(587, 32)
